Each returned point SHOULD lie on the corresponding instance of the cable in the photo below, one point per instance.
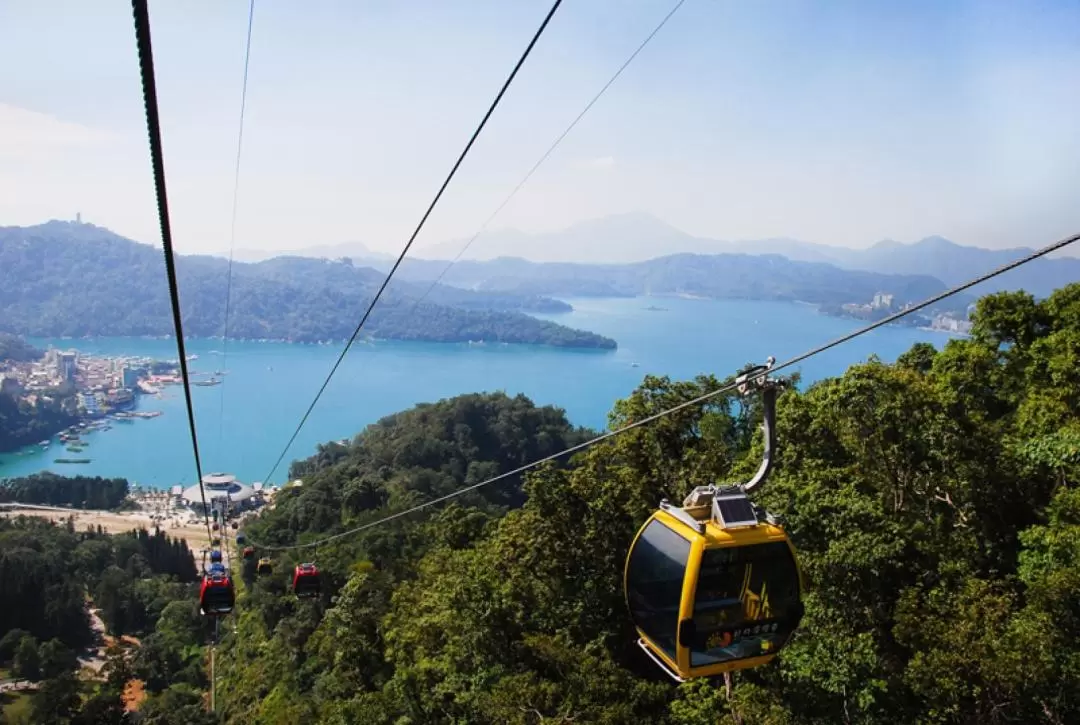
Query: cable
(153, 126)
(689, 403)
(420, 226)
(551, 149)
(232, 227)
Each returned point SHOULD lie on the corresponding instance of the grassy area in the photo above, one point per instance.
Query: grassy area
(16, 706)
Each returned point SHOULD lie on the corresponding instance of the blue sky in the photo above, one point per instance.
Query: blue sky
(840, 122)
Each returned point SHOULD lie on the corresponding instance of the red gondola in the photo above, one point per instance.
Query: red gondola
(216, 595)
(306, 582)
(249, 552)
(214, 526)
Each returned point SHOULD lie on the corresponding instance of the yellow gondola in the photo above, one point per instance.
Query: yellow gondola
(714, 585)
(265, 566)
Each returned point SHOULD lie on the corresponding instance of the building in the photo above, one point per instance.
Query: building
(88, 402)
(882, 301)
(223, 493)
(67, 364)
(129, 376)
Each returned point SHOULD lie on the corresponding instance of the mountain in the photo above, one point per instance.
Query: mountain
(620, 238)
(742, 276)
(954, 264)
(70, 279)
(353, 250)
(637, 237)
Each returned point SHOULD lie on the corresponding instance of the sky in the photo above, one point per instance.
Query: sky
(838, 123)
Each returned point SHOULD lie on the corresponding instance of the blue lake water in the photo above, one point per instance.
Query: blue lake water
(244, 423)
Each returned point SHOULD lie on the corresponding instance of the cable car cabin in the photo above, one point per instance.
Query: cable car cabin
(240, 539)
(306, 581)
(216, 596)
(214, 526)
(235, 525)
(249, 552)
(215, 555)
(712, 587)
(264, 567)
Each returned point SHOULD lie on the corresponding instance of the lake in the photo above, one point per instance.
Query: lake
(244, 423)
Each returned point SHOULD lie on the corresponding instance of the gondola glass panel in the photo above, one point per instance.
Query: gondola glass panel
(746, 603)
(654, 583)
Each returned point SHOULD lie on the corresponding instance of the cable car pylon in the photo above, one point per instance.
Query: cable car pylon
(714, 586)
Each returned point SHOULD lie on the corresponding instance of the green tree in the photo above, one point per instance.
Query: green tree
(27, 663)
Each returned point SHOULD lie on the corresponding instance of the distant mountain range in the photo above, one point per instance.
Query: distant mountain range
(718, 276)
(69, 279)
(638, 237)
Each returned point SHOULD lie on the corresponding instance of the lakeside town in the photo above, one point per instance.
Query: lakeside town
(84, 392)
(884, 304)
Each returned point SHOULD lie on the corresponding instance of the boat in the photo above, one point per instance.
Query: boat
(71, 460)
(634, 365)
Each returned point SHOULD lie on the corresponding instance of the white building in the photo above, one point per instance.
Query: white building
(223, 493)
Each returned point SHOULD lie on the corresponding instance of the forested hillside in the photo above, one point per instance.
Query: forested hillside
(719, 276)
(22, 424)
(931, 502)
(69, 279)
(49, 576)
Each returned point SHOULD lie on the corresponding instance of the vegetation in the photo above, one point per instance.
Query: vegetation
(140, 582)
(933, 503)
(62, 279)
(23, 423)
(84, 492)
(730, 276)
(16, 349)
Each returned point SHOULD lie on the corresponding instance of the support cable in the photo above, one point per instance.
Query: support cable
(1060, 244)
(153, 124)
(232, 226)
(416, 232)
(555, 144)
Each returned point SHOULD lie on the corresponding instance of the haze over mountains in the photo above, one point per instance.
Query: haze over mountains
(639, 237)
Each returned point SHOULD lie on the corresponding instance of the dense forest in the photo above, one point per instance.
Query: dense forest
(48, 573)
(61, 279)
(932, 502)
(84, 492)
(14, 348)
(22, 423)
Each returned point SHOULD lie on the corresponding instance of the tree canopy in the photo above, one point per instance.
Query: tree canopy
(932, 501)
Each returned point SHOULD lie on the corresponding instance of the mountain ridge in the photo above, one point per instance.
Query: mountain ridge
(61, 279)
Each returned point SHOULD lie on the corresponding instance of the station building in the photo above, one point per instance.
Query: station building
(223, 493)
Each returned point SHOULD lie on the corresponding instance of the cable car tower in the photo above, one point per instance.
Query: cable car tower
(713, 585)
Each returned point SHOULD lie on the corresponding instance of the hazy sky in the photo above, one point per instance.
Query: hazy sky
(834, 122)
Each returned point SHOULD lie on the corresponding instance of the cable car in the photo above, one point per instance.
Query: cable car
(215, 542)
(305, 581)
(235, 525)
(249, 552)
(240, 539)
(264, 567)
(216, 595)
(215, 555)
(714, 586)
(214, 526)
